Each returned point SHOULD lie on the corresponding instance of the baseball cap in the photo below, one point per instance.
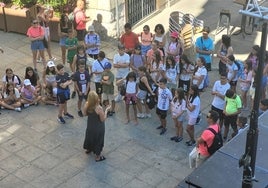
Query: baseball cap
(107, 65)
(174, 34)
(50, 64)
(91, 28)
(27, 82)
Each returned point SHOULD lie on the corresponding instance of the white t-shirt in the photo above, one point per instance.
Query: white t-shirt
(171, 74)
(201, 71)
(197, 103)
(121, 72)
(218, 87)
(17, 93)
(231, 69)
(96, 67)
(185, 75)
(15, 81)
(164, 98)
(177, 108)
(131, 87)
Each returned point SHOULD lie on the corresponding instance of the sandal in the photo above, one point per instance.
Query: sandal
(87, 151)
(102, 158)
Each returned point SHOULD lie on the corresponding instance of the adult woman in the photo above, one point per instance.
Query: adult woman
(94, 140)
(160, 36)
(224, 51)
(63, 27)
(36, 35)
(200, 73)
(193, 107)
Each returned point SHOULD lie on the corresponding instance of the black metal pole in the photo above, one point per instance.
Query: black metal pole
(249, 158)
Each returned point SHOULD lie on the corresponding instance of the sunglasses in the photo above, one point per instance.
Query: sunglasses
(35, 22)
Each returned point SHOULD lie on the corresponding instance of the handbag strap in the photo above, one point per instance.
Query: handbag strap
(100, 64)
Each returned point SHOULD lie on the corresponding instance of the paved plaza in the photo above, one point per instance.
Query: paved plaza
(38, 152)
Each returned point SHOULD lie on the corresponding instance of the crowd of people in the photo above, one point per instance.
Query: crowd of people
(151, 71)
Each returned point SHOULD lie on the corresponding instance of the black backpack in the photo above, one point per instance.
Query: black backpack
(13, 77)
(217, 141)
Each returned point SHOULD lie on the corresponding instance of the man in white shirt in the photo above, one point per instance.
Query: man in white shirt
(219, 89)
(121, 64)
(97, 69)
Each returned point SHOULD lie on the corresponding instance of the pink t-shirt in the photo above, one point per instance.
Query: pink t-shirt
(28, 93)
(150, 54)
(35, 32)
(80, 16)
(208, 137)
(146, 39)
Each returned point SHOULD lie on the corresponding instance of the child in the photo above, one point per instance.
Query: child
(71, 44)
(50, 96)
(108, 87)
(49, 75)
(63, 93)
(29, 94)
(178, 107)
(130, 96)
(164, 98)
(34, 78)
(263, 106)
(137, 60)
(81, 80)
(10, 77)
(241, 124)
(175, 47)
(171, 73)
(156, 67)
(11, 98)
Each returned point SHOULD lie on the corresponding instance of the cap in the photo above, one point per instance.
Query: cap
(174, 34)
(91, 28)
(50, 64)
(138, 47)
(107, 65)
(27, 82)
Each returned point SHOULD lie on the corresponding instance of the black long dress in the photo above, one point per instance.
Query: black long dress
(94, 140)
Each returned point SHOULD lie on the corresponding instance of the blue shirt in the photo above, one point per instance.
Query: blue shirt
(207, 45)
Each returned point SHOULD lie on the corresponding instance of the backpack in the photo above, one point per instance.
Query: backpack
(123, 88)
(217, 142)
(13, 77)
(72, 18)
(240, 66)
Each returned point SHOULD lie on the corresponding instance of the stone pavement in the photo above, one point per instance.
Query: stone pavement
(36, 151)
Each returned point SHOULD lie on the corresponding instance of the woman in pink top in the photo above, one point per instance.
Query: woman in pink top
(36, 36)
(146, 38)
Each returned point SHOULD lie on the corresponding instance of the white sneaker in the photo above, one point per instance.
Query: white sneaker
(39, 60)
(26, 105)
(140, 115)
(118, 98)
(148, 115)
(18, 109)
(53, 59)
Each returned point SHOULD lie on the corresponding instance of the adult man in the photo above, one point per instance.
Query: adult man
(129, 39)
(81, 19)
(206, 138)
(97, 70)
(92, 42)
(204, 47)
(219, 89)
(232, 72)
(121, 64)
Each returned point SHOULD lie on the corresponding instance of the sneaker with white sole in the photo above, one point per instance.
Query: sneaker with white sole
(67, 115)
(140, 115)
(18, 109)
(148, 115)
(26, 105)
(61, 120)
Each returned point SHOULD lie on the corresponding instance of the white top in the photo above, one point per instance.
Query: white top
(177, 108)
(131, 87)
(231, 69)
(171, 74)
(96, 67)
(164, 98)
(218, 87)
(93, 39)
(201, 71)
(121, 72)
(197, 103)
(17, 93)
(185, 75)
(159, 39)
(15, 81)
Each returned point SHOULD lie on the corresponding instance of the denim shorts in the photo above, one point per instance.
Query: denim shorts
(37, 45)
(62, 41)
(141, 94)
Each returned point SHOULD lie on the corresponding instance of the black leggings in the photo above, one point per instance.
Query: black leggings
(231, 120)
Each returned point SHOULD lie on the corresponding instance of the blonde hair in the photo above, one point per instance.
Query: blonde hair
(80, 4)
(92, 101)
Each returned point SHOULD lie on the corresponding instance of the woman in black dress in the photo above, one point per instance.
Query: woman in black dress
(94, 140)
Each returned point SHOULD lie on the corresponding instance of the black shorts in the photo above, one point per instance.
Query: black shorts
(233, 83)
(161, 113)
(82, 97)
(81, 35)
(98, 87)
(185, 85)
(62, 98)
(220, 112)
(208, 66)
(94, 56)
